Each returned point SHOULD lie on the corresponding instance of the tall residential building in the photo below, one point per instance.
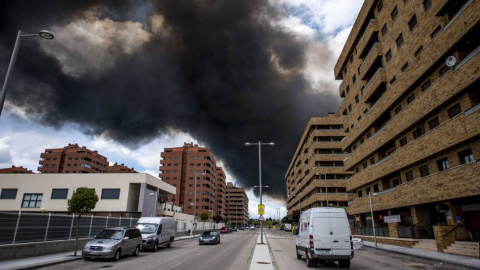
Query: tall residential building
(411, 109)
(236, 205)
(316, 173)
(14, 169)
(178, 167)
(221, 192)
(72, 159)
(120, 168)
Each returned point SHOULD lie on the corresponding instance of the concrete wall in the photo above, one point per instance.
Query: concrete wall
(17, 251)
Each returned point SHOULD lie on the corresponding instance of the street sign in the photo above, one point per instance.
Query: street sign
(261, 209)
(392, 219)
(261, 218)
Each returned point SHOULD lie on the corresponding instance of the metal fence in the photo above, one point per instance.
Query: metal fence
(29, 227)
(406, 232)
(379, 231)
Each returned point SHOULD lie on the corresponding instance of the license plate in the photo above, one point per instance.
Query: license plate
(93, 253)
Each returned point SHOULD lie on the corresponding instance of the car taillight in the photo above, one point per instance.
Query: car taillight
(351, 242)
(311, 241)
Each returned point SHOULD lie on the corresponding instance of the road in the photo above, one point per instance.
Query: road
(233, 252)
(282, 247)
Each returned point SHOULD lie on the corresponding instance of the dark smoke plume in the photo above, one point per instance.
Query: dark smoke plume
(220, 70)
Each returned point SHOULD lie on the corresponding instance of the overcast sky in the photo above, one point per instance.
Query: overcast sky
(129, 78)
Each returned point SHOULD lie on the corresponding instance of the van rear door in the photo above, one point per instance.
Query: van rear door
(341, 234)
(321, 232)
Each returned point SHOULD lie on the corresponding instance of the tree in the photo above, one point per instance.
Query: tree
(225, 220)
(83, 201)
(217, 218)
(204, 216)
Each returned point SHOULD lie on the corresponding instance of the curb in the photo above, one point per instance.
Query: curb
(47, 264)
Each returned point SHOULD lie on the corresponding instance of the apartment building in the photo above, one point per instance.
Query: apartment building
(220, 193)
(120, 168)
(316, 173)
(72, 159)
(15, 169)
(236, 205)
(178, 167)
(411, 119)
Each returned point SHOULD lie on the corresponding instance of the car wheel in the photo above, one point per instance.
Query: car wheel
(344, 263)
(308, 260)
(169, 245)
(117, 255)
(200, 243)
(155, 247)
(299, 257)
(86, 258)
(137, 251)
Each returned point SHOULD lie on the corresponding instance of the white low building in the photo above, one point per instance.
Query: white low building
(122, 194)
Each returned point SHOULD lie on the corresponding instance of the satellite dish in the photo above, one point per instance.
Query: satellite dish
(442, 207)
(451, 61)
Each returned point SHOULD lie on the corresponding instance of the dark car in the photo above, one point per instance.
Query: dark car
(229, 230)
(242, 228)
(282, 227)
(234, 229)
(209, 237)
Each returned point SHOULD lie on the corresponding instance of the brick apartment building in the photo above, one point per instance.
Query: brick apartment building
(120, 168)
(178, 167)
(14, 169)
(411, 123)
(316, 173)
(72, 159)
(236, 205)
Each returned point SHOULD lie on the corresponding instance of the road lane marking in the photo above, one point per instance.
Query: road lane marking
(176, 265)
(199, 253)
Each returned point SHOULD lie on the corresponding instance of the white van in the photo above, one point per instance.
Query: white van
(156, 231)
(324, 234)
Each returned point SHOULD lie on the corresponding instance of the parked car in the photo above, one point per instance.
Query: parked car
(113, 243)
(288, 227)
(156, 231)
(252, 227)
(224, 230)
(282, 227)
(229, 229)
(209, 237)
(325, 235)
(234, 229)
(242, 228)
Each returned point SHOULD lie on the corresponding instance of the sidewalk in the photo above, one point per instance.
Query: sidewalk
(261, 258)
(432, 255)
(52, 259)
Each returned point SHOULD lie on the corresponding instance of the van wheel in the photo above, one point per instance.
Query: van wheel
(155, 247)
(137, 251)
(344, 263)
(117, 255)
(308, 260)
(169, 245)
(299, 257)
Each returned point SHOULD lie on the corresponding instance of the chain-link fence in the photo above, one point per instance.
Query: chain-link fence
(29, 227)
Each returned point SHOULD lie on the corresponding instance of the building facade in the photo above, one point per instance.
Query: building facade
(72, 159)
(120, 168)
(316, 173)
(15, 169)
(178, 167)
(236, 205)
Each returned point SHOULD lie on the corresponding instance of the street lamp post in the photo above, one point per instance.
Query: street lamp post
(43, 34)
(195, 205)
(260, 176)
(373, 220)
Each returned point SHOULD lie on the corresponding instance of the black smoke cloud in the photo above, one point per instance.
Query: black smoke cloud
(224, 73)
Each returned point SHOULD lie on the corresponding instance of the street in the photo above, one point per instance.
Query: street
(282, 246)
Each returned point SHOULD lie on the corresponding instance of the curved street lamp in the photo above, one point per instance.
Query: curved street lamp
(43, 34)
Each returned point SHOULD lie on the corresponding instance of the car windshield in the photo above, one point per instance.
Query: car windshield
(110, 234)
(146, 228)
(209, 233)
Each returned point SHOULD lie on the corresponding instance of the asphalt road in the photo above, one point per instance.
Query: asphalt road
(233, 252)
(282, 247)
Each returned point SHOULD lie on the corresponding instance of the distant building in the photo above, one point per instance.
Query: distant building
(236, 205)
(72, 159)
(120, 168)
(178, 167)
(14, 169)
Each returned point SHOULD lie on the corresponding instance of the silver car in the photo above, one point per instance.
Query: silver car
(113, 243)
(209, 237)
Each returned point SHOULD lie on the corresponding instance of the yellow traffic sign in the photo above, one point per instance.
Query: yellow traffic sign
(261, 209)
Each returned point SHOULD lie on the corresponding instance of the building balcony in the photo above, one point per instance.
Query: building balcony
(373, 87)
(317, 198)
(455, 131)
(457, 182)
(441, 90)
(367, 38)
(371, 63)
(318, 183)
(328, 157)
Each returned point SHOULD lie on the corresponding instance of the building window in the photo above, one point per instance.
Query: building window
(357, 170)
(443, 70)
(465, 156)
(418, 51)
(190, 193)
(384, 30)
(435, 32)
(393, 79)
(9, 193)
(398, 109)
(455, 110)
(412, 23)
(354, 78)
(404, 67)
(372, 161)
(361, 141)
(380, 6)
(396, 182)
(348, 89)
(365, 165)
(427, 4)
(424, 171)
(409, 176)
(351, 58)
(433, 123)
(403, 141)
(59, 193)
(399, 40)
(411, 98)
(110, 193)
(32, 200)
(394, 13)
(356, 99)
(375, 188)
(369, 135)
(426, 85)
(360, 195)
(367, 190)
(443, 164)
(350, 108)
(419, 131)
(388, 56)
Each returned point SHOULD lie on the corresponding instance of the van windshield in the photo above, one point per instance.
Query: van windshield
(110, 234)
(146, 228)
